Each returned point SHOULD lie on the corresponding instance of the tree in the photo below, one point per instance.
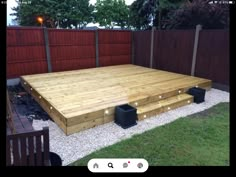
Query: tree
(152, 12)
(210, 16)
(110, 13)
(139, 18)
(79, 12)
(54, 12)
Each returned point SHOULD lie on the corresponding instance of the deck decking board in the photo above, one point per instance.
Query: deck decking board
(79, 99)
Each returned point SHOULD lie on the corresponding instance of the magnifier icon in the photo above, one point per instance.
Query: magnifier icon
(110, 165)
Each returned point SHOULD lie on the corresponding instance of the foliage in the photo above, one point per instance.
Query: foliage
(139, 19)
(110, 13)
(200, 139)
(66, 12)
(146, 13)
(210, 16)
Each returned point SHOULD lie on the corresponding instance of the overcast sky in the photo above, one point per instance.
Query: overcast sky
(12, 3)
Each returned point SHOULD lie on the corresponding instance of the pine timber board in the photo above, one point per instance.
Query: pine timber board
(80, 99)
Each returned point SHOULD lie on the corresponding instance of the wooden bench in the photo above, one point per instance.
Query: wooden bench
(28, 149)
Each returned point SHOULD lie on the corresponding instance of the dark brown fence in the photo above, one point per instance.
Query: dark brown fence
(213, 56)
(68, 49)
(142, 48)
(173, 51)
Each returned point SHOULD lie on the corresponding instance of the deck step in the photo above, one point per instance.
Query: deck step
(154, 108)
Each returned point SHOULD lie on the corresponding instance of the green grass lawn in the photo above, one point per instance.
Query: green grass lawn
(199, 139)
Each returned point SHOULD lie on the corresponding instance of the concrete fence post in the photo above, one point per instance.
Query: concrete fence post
(151, 47)
(132, 47)
(96, 47)
(198, 29)
(48, 56)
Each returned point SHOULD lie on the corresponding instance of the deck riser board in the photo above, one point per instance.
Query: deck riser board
(164, 108)
(53, 113)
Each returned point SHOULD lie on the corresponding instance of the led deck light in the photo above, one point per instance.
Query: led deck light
(31, 89)
(51, 107)
(40, 97)
(136, 103)
(179, 91)
(168, 108)
(106, 112)
(160, 96)
(188, 101)
(145, 116)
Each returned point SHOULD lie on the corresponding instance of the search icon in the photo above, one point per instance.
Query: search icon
(110, 165)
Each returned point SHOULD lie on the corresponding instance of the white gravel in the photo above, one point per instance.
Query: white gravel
(75, 146)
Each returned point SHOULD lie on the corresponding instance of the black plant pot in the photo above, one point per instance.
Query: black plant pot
(55, 159)
(198, 94)
(125, 116)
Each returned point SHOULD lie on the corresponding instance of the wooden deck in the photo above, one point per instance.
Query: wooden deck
(80, 99)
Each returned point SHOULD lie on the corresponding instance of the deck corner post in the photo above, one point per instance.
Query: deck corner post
(96, 47)
(47, 49)
(194, 58)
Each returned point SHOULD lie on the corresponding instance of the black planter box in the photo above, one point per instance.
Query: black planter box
(198, 94)
(125, 116)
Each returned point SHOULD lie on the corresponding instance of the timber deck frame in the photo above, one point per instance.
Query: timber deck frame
(80, 99)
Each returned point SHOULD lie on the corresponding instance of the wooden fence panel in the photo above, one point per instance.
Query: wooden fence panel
(142, 48)
(114, 47)
(75, 49)
(173, 50)
(213, 56)
(71, 49)
(25, 51)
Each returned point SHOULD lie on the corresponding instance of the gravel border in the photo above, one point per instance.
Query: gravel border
(75, 146)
